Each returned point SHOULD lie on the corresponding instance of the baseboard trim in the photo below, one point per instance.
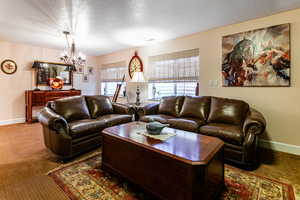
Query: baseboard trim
(12, 121)
(279, 146)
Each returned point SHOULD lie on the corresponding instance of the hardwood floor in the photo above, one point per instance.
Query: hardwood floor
(24, 161)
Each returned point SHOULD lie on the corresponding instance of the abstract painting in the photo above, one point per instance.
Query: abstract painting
(259, 57)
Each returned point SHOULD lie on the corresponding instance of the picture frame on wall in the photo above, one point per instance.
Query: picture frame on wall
(91, 70)
(257, 58)
(9, 66)
(85, 78)
(80, 69)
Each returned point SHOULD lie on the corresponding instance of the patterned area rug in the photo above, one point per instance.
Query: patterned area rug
(84, 180)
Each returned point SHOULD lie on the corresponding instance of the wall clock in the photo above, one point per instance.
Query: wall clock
(135, 65)
(9, 66)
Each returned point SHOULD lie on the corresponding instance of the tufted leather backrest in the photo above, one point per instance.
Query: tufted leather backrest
(170, 105)
(228, 111)
(99, 105)
(196, 107)
(71, 108)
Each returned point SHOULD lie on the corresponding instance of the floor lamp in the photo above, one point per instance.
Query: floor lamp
(138, 77)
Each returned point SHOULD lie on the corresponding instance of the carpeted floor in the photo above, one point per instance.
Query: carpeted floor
(24, 161)
(85, 179)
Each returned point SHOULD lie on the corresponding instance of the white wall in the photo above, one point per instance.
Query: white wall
(280, 106)
(12, 87)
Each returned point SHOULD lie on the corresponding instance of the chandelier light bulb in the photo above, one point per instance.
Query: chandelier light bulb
(63, 54)
(82, 56)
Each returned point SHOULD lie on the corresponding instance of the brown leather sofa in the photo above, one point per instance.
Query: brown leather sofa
(73, 125)
(231, 120)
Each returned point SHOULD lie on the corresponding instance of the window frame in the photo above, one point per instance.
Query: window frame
(111, 95)
(176, 68)
(117, 70)
(175, 89)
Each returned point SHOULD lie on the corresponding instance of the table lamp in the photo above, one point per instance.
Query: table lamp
(36, 66)
(71, 69)
(138, 77)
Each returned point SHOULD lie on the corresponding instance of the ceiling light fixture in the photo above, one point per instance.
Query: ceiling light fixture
(70, 55)
(140, 36)
(150, 39)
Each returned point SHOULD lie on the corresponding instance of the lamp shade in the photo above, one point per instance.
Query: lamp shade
(138, 77)
(36, 65)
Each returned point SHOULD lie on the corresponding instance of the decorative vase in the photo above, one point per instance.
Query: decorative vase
(155, 128)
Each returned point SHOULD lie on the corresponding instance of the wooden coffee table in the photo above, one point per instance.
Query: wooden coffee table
(187, 166)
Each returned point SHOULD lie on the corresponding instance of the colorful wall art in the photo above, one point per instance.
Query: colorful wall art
(259, 57)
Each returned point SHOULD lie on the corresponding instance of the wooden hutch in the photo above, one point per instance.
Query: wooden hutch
(41, 97)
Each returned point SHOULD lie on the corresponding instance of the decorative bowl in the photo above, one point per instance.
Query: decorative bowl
(155, 128)
(56, 83)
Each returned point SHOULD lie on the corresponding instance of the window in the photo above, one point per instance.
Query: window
(173, 74)
(111, 75)
(158, 90)
(109, 88)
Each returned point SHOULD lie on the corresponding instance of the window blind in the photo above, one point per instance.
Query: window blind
(113, 72)
(180, 66)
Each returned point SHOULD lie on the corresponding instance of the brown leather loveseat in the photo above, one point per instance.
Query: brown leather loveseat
(231, 120)
(73, 125)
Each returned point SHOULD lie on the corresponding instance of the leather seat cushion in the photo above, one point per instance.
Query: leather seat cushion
(99, 105)
(71, 108)
(196, 107)
(231, 134)
(115, 119)
(86, 127)
(159, 118)
(229, 111)
(170, 105)
(186, 124)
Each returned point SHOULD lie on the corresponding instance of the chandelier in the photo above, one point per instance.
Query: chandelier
(70, 56)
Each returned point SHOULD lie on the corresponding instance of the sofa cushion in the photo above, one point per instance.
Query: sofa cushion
(170, 105)
(159, 118)
(187, 124)
(99, 105)
(71, 108)
(85, 127)
(229, 111)
(196, 107)
(229, 133)
(115, 119)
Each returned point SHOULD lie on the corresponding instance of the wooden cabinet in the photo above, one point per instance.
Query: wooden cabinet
(41, 97)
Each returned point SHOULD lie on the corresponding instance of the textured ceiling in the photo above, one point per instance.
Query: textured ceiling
(102, 26)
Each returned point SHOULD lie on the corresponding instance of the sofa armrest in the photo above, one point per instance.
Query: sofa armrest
(123, 109)
(53, 121)
(254, 123)
(150, 109)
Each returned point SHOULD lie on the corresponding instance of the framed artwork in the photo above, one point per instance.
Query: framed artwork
(9, 66)
(85, 78)
(135, 65)
(50, 70)
(80, 69)
(257, 58)
(91, 70)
